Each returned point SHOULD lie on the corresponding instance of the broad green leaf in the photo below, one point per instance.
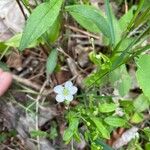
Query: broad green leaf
(143, 74)
(101, 128)
(90, 18)
(41, 19)
(137, 118)
(107, 107)
(121, 80)
(15, 41)
(54, 30)
(115, 121)
(141, 103)
(117, 31)
(51, 61)
(51, 35)
(110, 22)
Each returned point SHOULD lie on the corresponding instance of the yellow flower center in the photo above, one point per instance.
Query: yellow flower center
(65, 92)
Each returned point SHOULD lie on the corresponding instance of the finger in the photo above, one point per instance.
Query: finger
(5, 82)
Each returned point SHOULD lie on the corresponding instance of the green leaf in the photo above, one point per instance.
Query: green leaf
(15, 41)
(51, 61)
(71, 130)
(141, 103)
(26, 2)
(107, 107)
(137, 118)
(103, 144)
(39, 133)
(110, 22)
(53, 133)
(126, 18)
(143, 74)
(100, 60)
(147, 146)
(127, 106)
(3, 137)
(2, 47)
(146, 3)
(41, 19)
(121, 80)
(90, 18)
(147, 132)
(124, 44)
(101, 128)
(115, 121)
(52, 34)
(117, 30)
(124, 55)
(135, 16)
(4, 66)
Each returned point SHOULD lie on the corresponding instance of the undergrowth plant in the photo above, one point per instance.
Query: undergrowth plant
(97, 115)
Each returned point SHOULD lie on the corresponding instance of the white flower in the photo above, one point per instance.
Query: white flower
(65, 92)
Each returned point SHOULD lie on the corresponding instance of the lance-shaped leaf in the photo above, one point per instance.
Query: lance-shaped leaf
(90, 18)
(41, 19)
(51, 61)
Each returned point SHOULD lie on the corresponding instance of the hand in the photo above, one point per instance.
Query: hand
(5, 81)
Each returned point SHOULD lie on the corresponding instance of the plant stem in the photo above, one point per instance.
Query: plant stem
(37, 111)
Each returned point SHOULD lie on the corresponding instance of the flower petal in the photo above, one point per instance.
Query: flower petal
(72, 90)
(60, 98)
(68, 84)
(58, 89)
(69, 97)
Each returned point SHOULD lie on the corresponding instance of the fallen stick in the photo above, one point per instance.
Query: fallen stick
(31, 84)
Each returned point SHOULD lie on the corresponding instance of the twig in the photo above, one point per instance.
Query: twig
(37, 111)
(75, 72)
(21, 8)
(83, 32)
(31, 84)
(44, 49)
(126, 137)
(126, 6)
